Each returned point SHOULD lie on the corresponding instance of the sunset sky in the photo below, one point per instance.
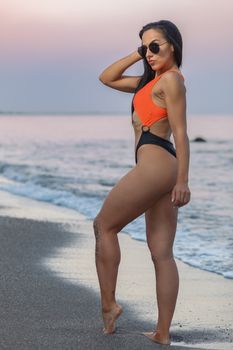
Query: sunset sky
(52, 52)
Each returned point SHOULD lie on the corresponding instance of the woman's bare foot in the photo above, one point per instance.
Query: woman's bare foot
(110, 317)
(157, 337)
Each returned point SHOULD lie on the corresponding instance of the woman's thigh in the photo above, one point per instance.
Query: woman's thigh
(161, 223)
(135, 192)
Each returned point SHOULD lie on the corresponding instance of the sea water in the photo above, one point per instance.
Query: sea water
(74, 161)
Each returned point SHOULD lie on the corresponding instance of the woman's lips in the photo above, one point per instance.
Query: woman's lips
(151, 62)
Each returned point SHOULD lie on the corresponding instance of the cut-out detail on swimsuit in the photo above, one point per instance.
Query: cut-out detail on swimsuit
(149, 113)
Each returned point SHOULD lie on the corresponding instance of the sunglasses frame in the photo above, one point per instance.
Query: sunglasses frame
(150, 46)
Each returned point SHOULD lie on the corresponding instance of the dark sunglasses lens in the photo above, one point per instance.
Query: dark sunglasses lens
(154, 47)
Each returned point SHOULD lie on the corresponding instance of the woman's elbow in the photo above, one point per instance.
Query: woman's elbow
(101, 78)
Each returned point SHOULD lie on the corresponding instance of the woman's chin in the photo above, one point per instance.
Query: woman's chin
(155, 66)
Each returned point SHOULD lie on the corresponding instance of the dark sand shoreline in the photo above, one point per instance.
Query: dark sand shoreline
(40, 311)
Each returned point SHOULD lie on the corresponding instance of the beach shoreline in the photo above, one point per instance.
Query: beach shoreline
(51, 296)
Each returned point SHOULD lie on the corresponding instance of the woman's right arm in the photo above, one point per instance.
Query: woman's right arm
(112, 75)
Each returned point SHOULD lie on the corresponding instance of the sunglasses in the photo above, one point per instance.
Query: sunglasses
(153, 46)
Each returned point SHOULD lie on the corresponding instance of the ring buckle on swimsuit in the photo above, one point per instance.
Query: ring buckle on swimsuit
(145, 126)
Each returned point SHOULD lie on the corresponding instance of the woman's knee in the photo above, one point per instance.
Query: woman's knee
(161, 253)
(100, 226)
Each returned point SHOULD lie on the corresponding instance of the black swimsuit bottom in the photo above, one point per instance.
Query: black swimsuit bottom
(148, 138)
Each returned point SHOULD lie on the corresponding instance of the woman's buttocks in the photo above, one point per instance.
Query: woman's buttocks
(155, 159)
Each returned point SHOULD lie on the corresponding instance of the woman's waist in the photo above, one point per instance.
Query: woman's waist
(148, 133)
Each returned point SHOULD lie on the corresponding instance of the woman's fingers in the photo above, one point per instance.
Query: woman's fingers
(187, 196)
(176, 198)
(180, 197)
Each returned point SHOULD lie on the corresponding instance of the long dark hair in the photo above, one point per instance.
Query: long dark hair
(173, 36)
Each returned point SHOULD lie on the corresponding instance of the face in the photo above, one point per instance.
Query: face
(164, 58)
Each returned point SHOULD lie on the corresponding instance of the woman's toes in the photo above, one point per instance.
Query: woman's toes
(110, 318)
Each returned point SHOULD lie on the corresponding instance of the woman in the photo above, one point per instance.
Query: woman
(158, 184)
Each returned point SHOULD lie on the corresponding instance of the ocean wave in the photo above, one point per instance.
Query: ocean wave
(195, 254)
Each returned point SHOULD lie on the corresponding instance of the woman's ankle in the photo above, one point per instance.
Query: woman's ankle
(106, 307)
(163, 331)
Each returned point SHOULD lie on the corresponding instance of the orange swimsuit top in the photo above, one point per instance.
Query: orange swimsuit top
(147, 111)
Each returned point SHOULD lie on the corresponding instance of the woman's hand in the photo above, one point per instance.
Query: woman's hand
(180, 194)
(139, 51)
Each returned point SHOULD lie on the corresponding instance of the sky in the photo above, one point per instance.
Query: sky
(53, 51)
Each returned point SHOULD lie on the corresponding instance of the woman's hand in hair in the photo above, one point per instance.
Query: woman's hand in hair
(139, 52)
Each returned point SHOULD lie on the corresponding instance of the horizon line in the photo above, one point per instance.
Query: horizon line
(92, 113)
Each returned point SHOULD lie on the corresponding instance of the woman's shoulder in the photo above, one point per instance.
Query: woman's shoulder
(173, 80)
(172, 74)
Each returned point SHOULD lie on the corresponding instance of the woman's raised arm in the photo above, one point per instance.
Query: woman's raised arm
(112, 75)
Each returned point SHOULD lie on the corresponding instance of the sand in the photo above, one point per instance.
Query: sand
(50, 293)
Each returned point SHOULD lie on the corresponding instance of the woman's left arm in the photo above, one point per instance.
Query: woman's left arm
(175, 98)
